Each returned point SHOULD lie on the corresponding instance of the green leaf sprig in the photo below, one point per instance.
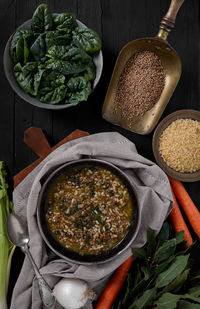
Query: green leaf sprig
(161, 277)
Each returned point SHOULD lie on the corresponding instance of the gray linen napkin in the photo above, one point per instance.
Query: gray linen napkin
(155, 202)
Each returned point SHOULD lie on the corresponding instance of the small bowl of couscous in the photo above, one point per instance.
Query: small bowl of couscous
(176, 145)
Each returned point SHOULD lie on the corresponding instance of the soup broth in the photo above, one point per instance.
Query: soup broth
(89, 210)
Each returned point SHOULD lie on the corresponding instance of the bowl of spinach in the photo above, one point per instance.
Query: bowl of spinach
(53, 61)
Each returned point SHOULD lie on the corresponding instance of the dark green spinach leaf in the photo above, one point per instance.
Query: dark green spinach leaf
(29, 77)
(67, 60)
(87, 39)
(65, 21)
(57, 37)
(42, 19)
(52, 89)
(65, 67)
(78, 90)
(90, 73)
(26, 34)
(69, 53)
(38, 49)
(22, 51)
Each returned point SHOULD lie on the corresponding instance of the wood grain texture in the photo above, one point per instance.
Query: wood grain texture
(117, 22)
(42, 148)
(170, 17)
(89, 116)
(35, 139)
(7, 114)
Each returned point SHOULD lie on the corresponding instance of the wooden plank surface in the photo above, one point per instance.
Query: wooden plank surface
(41, 148)
(117, 22)
(7, 97)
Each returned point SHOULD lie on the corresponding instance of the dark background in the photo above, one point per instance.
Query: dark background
(117, 22)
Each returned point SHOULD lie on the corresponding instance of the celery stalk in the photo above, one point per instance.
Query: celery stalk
(6, 248)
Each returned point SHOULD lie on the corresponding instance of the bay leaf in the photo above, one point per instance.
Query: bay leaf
(165, 251)
(130, 280)
(177, 283)
(120, 305)
(146, 272)
(182, 304)
(132, 293)
(190, 297)
(164, 234)
(168, 301)
(197, 277)
(173, 271)
(137, 277)
(161, 267)
(179, 237)
(151, 242)
(140, 253)
(194, 291)
(144, 300)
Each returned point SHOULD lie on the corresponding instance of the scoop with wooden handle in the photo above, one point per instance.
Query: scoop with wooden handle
(172, 68)
(168, 21)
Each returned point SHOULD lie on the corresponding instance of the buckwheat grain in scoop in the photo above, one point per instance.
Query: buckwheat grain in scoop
(140, 85)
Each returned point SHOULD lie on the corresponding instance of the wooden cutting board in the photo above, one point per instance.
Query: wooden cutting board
(36, 140)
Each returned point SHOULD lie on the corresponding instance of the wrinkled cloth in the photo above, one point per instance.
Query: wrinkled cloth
(152, 190)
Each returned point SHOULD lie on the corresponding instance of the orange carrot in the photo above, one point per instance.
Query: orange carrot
(179, 223)
(187, 204)
(111, 291)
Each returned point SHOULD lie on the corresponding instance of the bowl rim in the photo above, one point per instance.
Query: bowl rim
(180, 114)
(75, 257)
(31, 99)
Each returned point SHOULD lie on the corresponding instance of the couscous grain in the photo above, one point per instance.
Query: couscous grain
(180, 145)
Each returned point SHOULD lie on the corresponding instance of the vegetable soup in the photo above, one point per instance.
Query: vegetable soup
(89, 210)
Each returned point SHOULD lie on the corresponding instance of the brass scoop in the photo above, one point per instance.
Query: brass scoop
(172, 67)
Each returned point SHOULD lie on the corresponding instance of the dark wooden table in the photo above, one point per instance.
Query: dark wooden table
(117, 22)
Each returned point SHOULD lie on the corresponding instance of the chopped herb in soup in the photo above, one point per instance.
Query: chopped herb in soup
(89, 210)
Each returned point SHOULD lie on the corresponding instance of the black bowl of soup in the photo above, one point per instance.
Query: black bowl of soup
(87, 211)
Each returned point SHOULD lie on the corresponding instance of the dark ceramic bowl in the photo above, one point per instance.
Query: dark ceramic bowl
(8, 68)
(60, 249)
(181, 114)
